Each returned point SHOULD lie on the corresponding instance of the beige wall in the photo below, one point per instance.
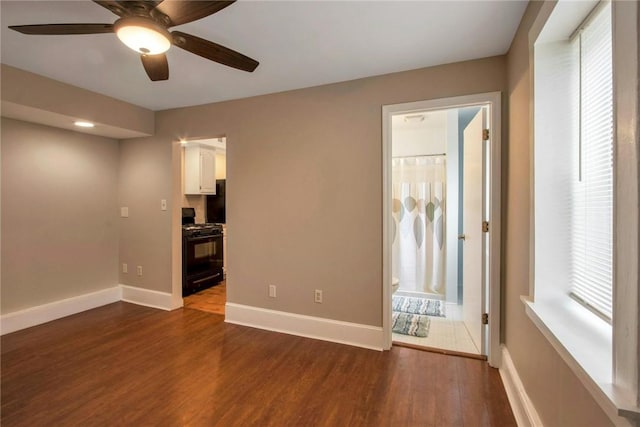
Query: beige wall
(144, 179)
(304, 184)
(557, 394)
(59, 217)
(38, 99)
(198, 203)
(221, 166)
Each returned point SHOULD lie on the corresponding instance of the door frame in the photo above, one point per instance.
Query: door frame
(493, 99)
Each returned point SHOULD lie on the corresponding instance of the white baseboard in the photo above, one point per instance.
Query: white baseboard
(523, 410)
(355, 334)
(40, 314)
(147, 297)
(37, 315)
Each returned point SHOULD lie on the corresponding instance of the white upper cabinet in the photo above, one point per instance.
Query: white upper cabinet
(199, 169)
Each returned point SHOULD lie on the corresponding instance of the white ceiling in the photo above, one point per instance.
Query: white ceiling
(298, 44)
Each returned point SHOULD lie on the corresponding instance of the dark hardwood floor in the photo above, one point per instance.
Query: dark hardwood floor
(129, 365)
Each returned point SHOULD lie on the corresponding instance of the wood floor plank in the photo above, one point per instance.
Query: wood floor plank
(211, 300)
(123, 364)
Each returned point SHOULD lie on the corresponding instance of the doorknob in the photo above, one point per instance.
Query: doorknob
(461, 237)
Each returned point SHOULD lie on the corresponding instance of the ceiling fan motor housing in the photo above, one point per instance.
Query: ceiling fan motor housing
(143, 35)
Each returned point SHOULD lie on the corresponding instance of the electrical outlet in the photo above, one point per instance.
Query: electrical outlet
(317, 296)
(125, 268)
(139, 269)
(272, 291)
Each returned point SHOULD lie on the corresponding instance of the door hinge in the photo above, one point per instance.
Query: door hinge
(485, 318)
(485, 134)
(485, 226)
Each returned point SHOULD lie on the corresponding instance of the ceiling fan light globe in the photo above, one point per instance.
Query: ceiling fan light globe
(143, 35)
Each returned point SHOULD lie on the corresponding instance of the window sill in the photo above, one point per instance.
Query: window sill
(587, 351)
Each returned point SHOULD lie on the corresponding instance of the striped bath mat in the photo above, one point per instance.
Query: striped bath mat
(410, 324)
(430, 307)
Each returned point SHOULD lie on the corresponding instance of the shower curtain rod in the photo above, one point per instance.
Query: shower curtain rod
(420, 155)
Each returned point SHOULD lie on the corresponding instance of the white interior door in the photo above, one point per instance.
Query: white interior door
(472, 202)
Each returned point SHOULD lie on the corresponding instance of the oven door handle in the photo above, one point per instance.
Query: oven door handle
(196, 239)
(213, 276)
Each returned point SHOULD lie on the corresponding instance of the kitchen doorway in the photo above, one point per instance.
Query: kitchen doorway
(441, 212)
(204, 230)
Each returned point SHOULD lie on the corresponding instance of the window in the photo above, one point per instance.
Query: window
(583, 293)
(592, 184)
(573, 165)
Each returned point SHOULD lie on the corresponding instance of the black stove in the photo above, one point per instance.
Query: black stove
(202, 254)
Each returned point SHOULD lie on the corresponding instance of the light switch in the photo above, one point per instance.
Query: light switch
(124, 212)
(163, 204)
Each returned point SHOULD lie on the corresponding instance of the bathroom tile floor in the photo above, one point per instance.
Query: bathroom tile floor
(444, 333)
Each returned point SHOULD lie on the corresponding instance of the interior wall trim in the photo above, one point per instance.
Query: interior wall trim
(44, 313)
(492, 298)
(354, 334)
(523, 410)
(148, 298)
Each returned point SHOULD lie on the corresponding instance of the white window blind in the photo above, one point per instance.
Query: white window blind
(592, 192)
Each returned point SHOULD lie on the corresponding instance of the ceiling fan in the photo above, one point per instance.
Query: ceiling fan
(144, 27)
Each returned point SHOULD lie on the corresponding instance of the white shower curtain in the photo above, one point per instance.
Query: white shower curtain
(418, 252)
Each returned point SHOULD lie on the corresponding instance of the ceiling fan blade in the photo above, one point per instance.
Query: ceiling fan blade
(63, 29)
(156, 66)
(113, 6)
(128, 7)
(181, 12)
(213, 51)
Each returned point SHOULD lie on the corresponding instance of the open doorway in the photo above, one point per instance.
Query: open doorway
(204, 231)
(441, 224)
